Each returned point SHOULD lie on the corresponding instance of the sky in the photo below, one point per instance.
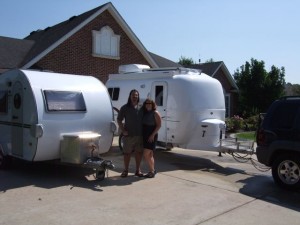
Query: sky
(232, 31)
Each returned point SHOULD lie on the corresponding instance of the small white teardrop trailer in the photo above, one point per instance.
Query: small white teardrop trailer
(191, 103)
(51, 116)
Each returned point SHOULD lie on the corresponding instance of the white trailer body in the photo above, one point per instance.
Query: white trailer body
(48, 116)
(191, 103)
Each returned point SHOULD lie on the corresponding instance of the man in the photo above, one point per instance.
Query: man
(132, 131)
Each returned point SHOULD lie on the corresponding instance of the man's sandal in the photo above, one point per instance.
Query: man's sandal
(124, 173)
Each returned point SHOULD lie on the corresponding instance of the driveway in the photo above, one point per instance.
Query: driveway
(191, 187)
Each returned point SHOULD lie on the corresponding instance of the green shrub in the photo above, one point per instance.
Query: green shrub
(234, 123)
(251, 123)
(237, 123)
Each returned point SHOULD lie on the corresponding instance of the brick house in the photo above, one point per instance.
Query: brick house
(94, 43)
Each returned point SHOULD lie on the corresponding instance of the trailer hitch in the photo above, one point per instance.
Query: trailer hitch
(98, 164)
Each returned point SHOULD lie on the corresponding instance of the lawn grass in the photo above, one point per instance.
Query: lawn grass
(246, 135)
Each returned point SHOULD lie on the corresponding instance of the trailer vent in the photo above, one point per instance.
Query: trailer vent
(132, 68)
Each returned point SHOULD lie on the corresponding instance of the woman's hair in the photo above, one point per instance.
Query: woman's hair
(152, 103)
(132, 91)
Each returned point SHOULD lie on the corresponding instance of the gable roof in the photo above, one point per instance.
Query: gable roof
(163, 62)
(48, 39)
(212, 68)
(208, 68)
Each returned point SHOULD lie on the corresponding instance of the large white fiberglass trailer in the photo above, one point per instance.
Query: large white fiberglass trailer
(52, 116)
(191, 103)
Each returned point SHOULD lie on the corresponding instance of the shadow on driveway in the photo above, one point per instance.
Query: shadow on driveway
(49, 175)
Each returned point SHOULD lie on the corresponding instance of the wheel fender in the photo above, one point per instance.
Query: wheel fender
(281, 147)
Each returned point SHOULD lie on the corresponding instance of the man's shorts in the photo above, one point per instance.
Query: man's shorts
(132, 143)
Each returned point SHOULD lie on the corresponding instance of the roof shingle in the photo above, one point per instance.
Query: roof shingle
(13, 51)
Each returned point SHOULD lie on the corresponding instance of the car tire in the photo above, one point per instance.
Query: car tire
(286, 171)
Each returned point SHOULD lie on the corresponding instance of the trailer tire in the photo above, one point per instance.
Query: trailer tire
(100, 175)
(5, 161)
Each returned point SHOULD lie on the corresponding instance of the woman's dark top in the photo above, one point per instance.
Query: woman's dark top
(149, 125)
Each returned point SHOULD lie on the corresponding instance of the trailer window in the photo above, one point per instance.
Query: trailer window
(64, 101)
(3, 102)
(114, 93)
(159, 90)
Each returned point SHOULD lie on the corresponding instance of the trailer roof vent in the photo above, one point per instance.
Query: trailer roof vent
(132, 68)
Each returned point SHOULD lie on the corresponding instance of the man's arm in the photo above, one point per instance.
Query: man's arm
(120, 118)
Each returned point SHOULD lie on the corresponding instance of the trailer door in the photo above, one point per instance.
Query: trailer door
(159, 92)
(17, 119)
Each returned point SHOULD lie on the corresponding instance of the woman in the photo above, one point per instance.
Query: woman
(151, 125)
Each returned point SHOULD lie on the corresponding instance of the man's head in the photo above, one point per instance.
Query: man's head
(133, 97)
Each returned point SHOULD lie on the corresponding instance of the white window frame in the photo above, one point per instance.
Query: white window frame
(106, 43)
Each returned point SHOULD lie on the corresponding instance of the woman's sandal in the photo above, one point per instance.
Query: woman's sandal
(150, 174)
(124, 173)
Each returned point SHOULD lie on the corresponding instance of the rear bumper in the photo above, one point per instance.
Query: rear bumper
(266, 154)
(263, 155)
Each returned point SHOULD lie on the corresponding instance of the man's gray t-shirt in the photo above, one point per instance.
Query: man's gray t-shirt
(133, 119)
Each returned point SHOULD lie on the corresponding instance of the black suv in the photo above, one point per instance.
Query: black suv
(278, 141)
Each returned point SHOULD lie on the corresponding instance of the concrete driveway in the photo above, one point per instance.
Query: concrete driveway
(191, 187)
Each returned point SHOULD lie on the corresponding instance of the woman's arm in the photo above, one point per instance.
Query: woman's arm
(157, 121)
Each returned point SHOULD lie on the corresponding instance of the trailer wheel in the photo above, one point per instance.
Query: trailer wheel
(5, 161)
(121, 142)
(100, 174)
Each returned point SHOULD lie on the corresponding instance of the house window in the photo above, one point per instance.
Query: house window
(106, 44)
(114, 93)
(227, 105)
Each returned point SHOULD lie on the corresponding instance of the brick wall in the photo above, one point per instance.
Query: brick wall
(75, 54)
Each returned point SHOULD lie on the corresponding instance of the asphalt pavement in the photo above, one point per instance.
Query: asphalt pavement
(191, 187)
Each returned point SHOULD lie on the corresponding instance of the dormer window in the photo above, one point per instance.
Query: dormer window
(106, 44)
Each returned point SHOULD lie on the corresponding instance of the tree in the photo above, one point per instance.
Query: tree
(184, 61)
(292, 89)
(296, 89)
(258, 88)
